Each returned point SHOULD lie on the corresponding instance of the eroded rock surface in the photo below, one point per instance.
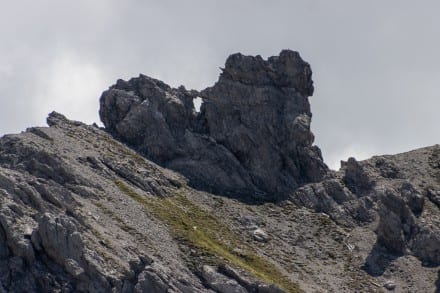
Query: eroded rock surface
(64, 220)
(251, 137)
(82, 212)
(389, 195)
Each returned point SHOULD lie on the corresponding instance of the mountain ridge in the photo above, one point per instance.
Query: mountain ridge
(81, 211)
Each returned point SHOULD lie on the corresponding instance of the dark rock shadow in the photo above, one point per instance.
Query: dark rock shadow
(378, 260)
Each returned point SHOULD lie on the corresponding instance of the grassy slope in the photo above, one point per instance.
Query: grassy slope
(198, 229)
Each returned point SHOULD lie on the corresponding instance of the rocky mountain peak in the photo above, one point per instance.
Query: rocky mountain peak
(286, 70)
(87, 209)
(252, 136)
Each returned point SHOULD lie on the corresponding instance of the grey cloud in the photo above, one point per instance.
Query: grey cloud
(375, 63)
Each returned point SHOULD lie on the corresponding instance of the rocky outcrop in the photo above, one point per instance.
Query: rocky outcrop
(397, 223)
(403, 230)
(386, 193)
(219, 282)
(82, 212)
(356, 179)
(251, 137)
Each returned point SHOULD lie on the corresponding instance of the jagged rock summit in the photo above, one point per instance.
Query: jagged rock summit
(251, 137)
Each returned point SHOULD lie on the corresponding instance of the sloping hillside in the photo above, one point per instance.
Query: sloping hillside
(189, 209)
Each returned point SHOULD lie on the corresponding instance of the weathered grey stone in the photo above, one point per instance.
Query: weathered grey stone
(397, 223)
(29, 158)
(356, 179)
(152, 279)
(13, 231)
(241, 277)
(220, 282)
(390, 285)
(332, 198)
(249, 282)
(335, 189)
(388, 168)
(285, 70)
(390, 232)
(260, 235)
(413, 198)
(60, 239)
(58, 119)
(73, 268)
(426, 245)
(251, 137)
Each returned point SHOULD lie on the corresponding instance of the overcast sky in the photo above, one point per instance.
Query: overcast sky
(376, 64)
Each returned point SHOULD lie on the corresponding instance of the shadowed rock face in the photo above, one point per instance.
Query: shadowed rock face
(251, 137)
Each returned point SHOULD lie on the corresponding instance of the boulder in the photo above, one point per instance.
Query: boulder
(412, 197)
(149, 281)
(397, 224)
(260, 235)
(356, 178)
(219, 282)
(389, 285)
(426, 245)
(62, 241)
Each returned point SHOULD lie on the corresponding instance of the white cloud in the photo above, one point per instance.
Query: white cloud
(375, 63)
(359, 152)
(71, 86)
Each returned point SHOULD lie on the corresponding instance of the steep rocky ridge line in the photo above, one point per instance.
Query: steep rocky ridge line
(111, 221)
(82, 212)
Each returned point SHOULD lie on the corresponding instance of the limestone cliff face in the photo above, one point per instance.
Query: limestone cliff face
(251, 137)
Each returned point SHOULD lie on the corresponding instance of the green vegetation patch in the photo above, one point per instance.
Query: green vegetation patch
(199, 229)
